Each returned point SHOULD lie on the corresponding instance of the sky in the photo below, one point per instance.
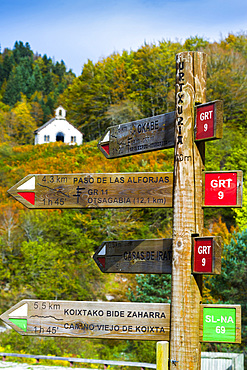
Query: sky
(77, 30)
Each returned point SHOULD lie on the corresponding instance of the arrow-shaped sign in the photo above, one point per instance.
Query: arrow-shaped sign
(147, 256)
(110, 320)
(101, 190)
(145, 135)
(117, 320)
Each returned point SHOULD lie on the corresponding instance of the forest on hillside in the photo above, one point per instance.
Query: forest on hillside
(48, 254)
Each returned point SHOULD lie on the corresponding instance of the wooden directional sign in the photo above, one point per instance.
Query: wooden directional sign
(140, 136)
(223, 189)
(147, 256)
(117, 320)
(206, 255)
(101, 190)
(108, 320)
(220, 323)
(209, 121)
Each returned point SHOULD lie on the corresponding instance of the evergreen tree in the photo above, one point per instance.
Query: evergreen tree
(8, 63)
(153, 288)
(1, 71)
(14, 86)
(20, 51)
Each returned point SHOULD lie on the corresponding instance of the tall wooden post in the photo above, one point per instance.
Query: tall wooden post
(188, 216)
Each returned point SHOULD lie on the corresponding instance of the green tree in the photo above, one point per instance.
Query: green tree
(23, 73)
(195, 43)
(21, 51)
(241, 213)
(226, 81)
(151, 288)
(1, 71)
(145, 78)
(8, 63)
(14, 86)
(38, 78)
(236, 42)
(23, 123)
(87, 100)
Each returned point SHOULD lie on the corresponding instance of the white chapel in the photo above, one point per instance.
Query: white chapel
(58, 129)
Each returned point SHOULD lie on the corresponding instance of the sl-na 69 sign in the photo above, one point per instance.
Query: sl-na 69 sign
(220, 323)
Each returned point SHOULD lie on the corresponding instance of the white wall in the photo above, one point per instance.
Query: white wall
(59, 125)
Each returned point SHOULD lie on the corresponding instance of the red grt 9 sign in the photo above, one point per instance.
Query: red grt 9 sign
(223, 189)
(203, 255)
(209, 121)
(206, 255)
(205, 122)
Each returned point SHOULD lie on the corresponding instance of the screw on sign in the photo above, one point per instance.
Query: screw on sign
(223, 189)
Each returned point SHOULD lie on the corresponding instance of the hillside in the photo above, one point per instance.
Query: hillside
(47, 254)
(88, 228)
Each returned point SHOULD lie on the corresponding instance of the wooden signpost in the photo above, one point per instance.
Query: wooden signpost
(100, 190)
(113, 320)
(188, 215)
(147, 256)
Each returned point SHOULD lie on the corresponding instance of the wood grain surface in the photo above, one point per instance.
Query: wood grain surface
(185, 347)
(96, 190)
(145, 135)
(113, 320)
(145, 256)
